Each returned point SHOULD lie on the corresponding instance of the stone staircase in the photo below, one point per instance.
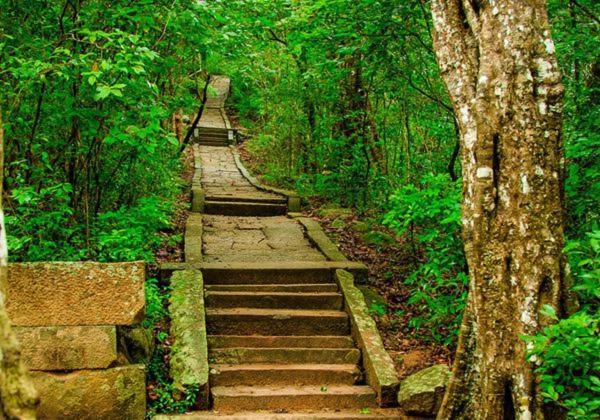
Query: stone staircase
(212, 136)
(281, 343)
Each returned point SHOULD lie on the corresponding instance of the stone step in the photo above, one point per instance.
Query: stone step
(283, 300)
(213, 139)
(356, 414)
(232, 208)
(243, 355)
(213, 143)
(248, 199)
(240, 398)
(282, 341)
(251, 321)
(304, 288)
(210, 130)
(254, 276)
(276, 374)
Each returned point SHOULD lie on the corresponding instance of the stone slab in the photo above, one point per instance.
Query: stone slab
(318, 237)
(110, 394)
(189, 353)
(77, 293)
(193, 238)
(379, 367)
(68, 348)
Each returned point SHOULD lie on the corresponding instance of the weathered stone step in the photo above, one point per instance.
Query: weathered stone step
(232, 208)
(203, 130)
(247, 199)
(242, 355)
(251, 321)
(213, 143)
(356, 414)
(283, 275)
(281, 341)
(240, 398)
(276, 374)
(293, 300)
(305, 288)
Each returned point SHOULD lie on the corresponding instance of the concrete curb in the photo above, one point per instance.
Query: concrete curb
(189, 353)
(379, 367)
(293, 199)
(197, 191)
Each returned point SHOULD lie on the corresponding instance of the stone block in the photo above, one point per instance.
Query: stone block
(421, 394)
(110, 394)
(75, 293)
(379, 367)
(189, 353)
(67, 348)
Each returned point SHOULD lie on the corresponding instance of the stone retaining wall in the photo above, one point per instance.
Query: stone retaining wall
(66, 316)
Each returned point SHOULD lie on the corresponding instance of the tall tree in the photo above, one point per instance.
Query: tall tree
(18, 397)
(498, 62)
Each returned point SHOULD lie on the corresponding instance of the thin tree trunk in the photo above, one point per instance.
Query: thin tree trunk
(18, 397)
(498, 62)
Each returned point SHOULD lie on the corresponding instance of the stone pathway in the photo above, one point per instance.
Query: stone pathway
(282, 341)
(221, 179)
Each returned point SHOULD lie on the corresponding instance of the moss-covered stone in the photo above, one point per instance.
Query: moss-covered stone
(372, 298)
(360, 226)
(136, 343)
(189, 353)
(338, 224)
(421, 394)
(378, 238)
(318, 237)
(334, 212)
(379, 367)
(117, 393)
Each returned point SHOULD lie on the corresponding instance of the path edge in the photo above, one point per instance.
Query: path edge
(379, 367)
(293, 199)
(189, 352)
(197, 191)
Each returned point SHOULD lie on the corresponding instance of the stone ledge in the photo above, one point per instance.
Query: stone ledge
(198, 197)
(189, 353)
(193, 238)
(117, 393)
(68, 348)
(318, 238)
(293, 199)
(379, 367)
(75, 293)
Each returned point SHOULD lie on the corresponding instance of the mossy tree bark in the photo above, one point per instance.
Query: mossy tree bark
(18, 397)
(498, 62)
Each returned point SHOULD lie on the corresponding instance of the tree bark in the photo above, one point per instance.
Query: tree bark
(18, 397)
(498, 62)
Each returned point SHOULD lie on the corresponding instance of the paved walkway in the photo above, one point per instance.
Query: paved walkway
(221, 178)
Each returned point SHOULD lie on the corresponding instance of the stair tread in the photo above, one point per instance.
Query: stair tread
(283, 367)
(321, 287)
(277, 312)
(266, 391)
(284, 341)
(298, 294)
(299, 415)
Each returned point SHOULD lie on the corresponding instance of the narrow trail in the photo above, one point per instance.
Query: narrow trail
(282, 338)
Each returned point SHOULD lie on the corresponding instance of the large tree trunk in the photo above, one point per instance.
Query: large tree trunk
(18, 397)
(497, 59)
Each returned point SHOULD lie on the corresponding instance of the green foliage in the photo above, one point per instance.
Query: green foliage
(87, 92)
(428, 214)
(567, 353)
(568, 357)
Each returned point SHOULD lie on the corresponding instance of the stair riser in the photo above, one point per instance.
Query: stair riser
(292, 402)
(225, 276)
(244, 209)
(283, 288)
(240, 325)
(289, 301)
(268, 377)
(330, 342)
(284, 356)
(241, 199)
